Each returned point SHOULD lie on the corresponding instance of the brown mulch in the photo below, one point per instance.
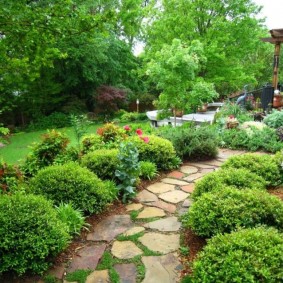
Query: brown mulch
(277, 192)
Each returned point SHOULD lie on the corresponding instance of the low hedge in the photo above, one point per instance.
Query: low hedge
(31, 233)
(72, 183)
(240, 179)
(226, 210)
(248, 255)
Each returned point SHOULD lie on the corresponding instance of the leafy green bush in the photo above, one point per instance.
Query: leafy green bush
(240, 179)
(111, 133)
(228, 209)
(148, 170)
(30, 232)
(262, 165)
(92, 142)
(44, 153)
(191, 142)
(73, 218)
(248, 255)
(72, 183)
(102, 162)
(157, 150)
(274, 120)
(133, 116)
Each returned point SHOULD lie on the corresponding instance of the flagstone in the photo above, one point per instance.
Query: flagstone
(134, 206)
(160, 187)
(110, 227)
(174, 197)
(187, 203)
(169, 224)
(213, 162)
(127, 272)
(145, 196)
(188, 188)
(160, 242)
(206, 170)
(176, 174)
(201, 165)
(171, 208)
(165, 269)
(150, 212)
(174, 181)
(98, 276)
(193, 177)
(133, 231)
(189, 169)
(57, 271)
(125, 250)
(182, 211)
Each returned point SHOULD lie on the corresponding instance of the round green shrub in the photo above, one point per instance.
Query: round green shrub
(158, 150)
(248, 255)
(228, 209)
(72, 183)
(240, 179)
(262, 165)
(274, 120)
(91, 142)
(148, 170)
(30, 232)
(102, 162)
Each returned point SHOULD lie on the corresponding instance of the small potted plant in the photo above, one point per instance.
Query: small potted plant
(232, 122)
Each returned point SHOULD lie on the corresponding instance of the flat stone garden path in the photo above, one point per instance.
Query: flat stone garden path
(148, 235)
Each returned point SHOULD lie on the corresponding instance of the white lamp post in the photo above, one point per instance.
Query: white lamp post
(138, 102)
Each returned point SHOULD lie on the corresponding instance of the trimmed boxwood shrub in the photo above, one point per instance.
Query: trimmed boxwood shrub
(30, 233)
(72, 183)
(92, 142)
(158, 150)
(148, 170)
(262, 165)
(240, 179)
(102, 162)
(248, 255)
(228, 209)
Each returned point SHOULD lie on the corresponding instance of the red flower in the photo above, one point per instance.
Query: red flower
(139, 132)
(146, 139)
(127, 128)
(231, 116)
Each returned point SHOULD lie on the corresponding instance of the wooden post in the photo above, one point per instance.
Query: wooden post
(276, 64)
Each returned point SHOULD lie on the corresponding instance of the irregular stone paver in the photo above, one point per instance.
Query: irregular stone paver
(99, 276)
(87, 258)
(125, 250)
(163, 269)
(189, 169)
(133, 231)
(110, 227)
(176, 174)
(187, 203)
(201, 165)
(159, 188)
(174, 181)
(193, 177)
(150, 212)
(170, 224)
(127, 272)
(188, 188)
(56, 271)
(182, 211)
(161, 243)
(213, 162)
(174, 197)
(134, 206)
(171, 208)
(206, 170)
(145, 196)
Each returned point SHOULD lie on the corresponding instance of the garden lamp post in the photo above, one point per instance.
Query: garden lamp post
(138, 102)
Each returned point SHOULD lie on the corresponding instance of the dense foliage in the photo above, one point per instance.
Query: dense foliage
(31, 233)
(274, 120)
(248, 255)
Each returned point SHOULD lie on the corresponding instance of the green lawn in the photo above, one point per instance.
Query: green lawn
(19, 146)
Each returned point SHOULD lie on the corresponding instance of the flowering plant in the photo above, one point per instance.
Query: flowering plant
(231, 122)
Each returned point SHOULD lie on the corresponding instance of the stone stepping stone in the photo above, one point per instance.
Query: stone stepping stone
(150, 212)
(188, 188)
(187, 203)
(171, 208)
(213, 163)
(98, 276)
(145, 196)
(133, 231)
(174, 197)
(170, 224)
(165, 269)
(125, 250)
(159, 188)
(193, 177)
(174, 181)
(206, 170)
(176, 175)
(134, 206)
(187, 169)
(182, 211)
(110, 227)
(127, 272)
(87, 258)
(201, 165)
(160, 242)
(57, 271)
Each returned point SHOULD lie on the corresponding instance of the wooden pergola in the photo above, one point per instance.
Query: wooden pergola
(276, 39)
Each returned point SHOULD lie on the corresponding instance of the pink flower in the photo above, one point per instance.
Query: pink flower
(146, 139)
(139, 132)
(231, 116)
(127, 128)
